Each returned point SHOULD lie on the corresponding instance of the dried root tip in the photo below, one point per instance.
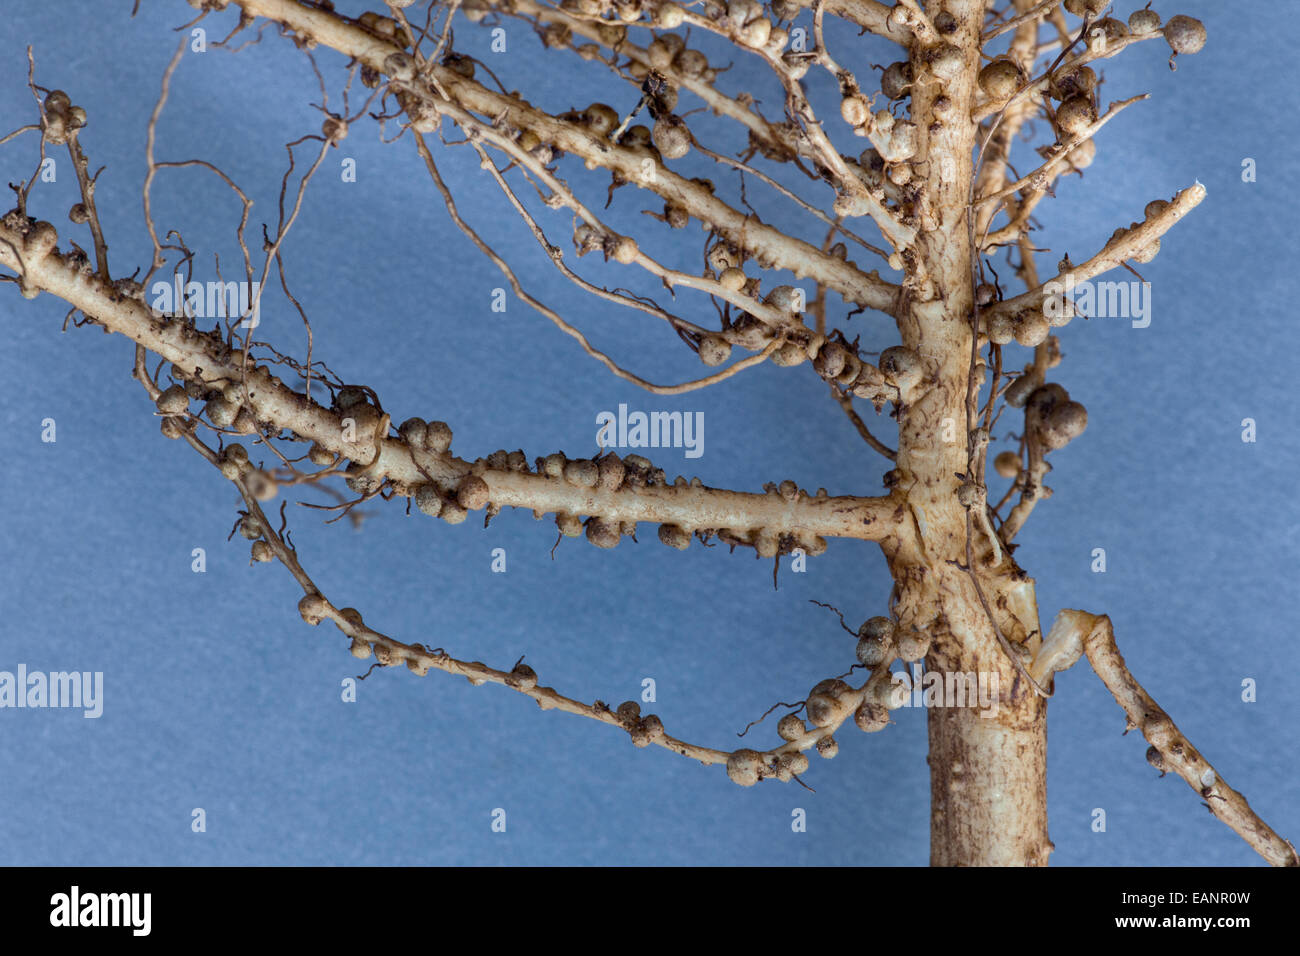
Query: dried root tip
(360, 649)
(522, 677)
(262, 552)
(437, 437)
(675, 536)
(871, 718)
(827, 747)
(791, 727)
(603, 534)
(745, 767)
(472, 495)
(313, 608)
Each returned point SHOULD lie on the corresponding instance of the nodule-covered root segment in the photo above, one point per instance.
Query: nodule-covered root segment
(644, 730)
(591, 478)
(829, 705)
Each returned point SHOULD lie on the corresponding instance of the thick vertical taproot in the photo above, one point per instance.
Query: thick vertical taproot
(987, 773)
(988, 784)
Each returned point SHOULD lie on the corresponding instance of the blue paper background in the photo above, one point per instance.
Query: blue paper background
(217, 696)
